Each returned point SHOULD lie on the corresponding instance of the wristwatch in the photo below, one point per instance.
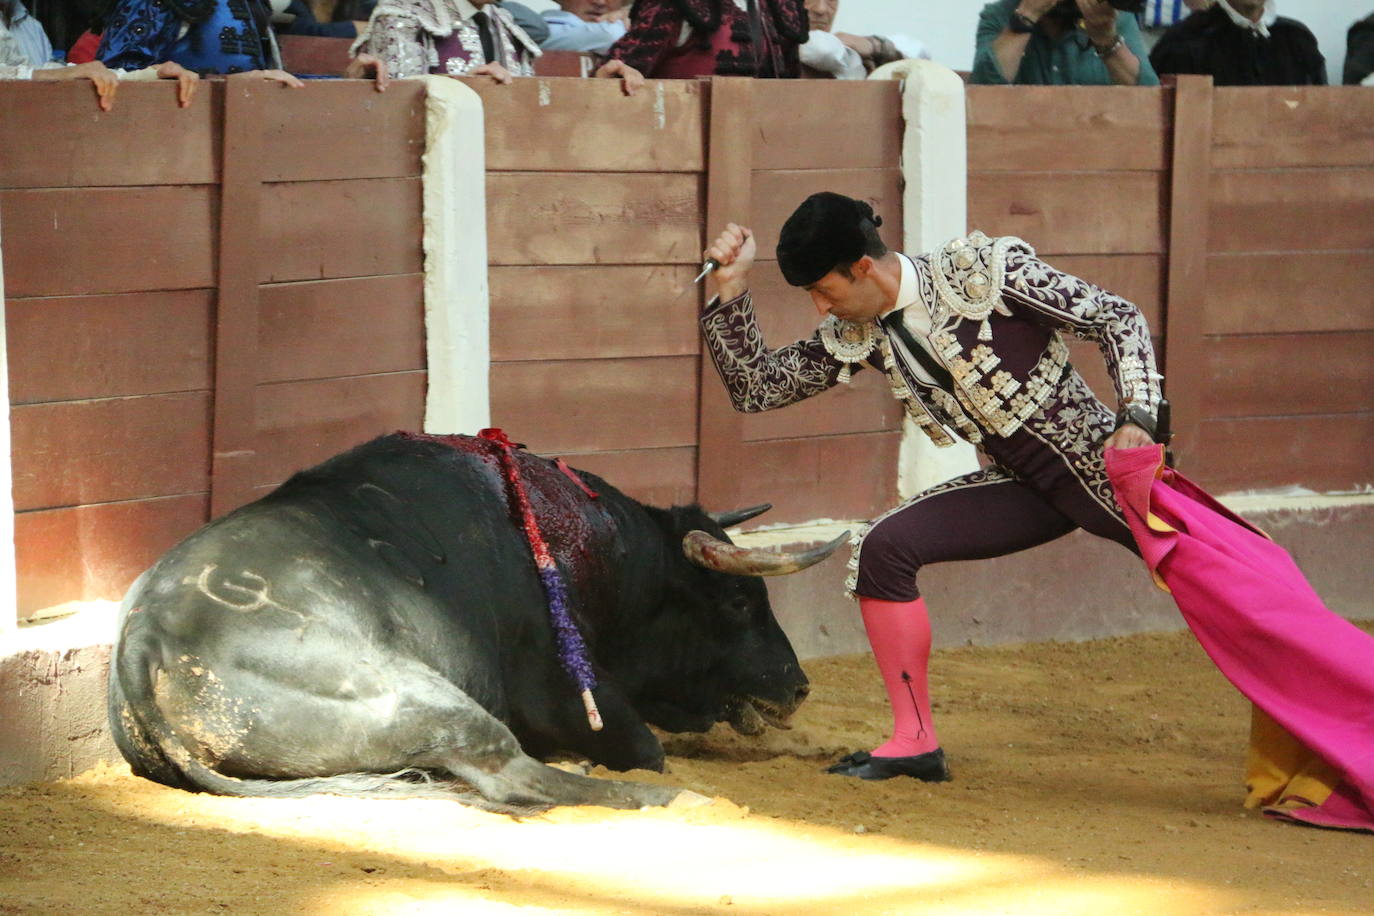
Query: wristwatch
(1020, 23)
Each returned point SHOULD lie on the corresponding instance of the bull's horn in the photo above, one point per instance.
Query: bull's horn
(735, 517)
(711, 552)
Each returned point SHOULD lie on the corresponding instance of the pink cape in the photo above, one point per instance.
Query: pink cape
(1308, 669)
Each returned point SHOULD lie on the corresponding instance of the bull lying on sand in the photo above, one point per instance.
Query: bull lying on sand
(376, 626)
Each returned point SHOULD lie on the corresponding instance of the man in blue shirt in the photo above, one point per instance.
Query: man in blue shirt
(1060, 42)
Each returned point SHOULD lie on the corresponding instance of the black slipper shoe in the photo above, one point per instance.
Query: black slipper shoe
(927, 767)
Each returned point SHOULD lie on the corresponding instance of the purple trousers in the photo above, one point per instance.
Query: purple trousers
(1046, 479)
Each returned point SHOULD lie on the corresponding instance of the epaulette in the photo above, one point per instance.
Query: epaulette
(969, 272)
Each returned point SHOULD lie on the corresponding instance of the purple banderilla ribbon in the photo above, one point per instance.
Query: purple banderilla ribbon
(572, 649)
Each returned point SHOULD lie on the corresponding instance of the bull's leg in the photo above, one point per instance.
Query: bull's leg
(624, 743)
(489, 758)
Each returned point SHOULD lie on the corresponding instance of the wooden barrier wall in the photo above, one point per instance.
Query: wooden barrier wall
(201, 301)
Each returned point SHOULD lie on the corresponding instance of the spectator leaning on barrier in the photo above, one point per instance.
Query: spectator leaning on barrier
(407, 38)
(588, 26)
(1059, 42)
(845, 56)
(206, 36)
(684, 39)
(1161, 15)
(1359, 53)
(25, 57)
(1242, 43)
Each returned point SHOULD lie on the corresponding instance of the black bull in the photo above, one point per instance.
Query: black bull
(376, 625)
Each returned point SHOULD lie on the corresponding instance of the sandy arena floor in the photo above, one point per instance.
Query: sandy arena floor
(1093, 778)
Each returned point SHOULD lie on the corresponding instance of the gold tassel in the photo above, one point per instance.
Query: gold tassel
(985, 331)
(844, 374)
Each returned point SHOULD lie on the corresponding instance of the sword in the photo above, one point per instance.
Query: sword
(710, 265)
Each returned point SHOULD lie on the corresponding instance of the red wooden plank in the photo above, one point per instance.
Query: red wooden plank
(329, 328)
(1286, 126)
(597, 405)
(76, 452)
(335, 129)
(1186, 293)
(576, 125)
(837, 477)
(1323, 453)
(85, 553)
(54, 136)
(316, 55)
(317, 230)
(729, 198)
(236, 303)
(1051, 210)
(108, 240)
(778, 193)
(657, 476)
(1292, 210)
(1050, 128)
(864, 405)
(594, 311)
(101, 346)
(301, 424)
(566, 218)
(1267, 293)
(1280, 374)
(794, 124)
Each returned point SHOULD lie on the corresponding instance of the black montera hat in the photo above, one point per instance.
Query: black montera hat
(827, 230)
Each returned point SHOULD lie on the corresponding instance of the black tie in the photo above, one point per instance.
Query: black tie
(484, 29)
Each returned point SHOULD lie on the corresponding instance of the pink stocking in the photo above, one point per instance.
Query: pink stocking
(899, 632)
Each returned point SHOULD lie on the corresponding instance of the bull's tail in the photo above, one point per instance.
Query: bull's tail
(155, 752)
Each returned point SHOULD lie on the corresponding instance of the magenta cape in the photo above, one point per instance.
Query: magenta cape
(1308, 669)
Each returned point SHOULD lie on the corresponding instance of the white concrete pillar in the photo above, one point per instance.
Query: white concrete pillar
(934, 210)
(457, 320)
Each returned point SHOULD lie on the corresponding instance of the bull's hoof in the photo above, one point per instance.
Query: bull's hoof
(928, 767)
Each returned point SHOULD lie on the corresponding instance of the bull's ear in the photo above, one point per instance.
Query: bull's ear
(738, 516)
(711, 552)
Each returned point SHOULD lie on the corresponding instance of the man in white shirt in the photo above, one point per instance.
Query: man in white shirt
(588, 26)
(850, 57)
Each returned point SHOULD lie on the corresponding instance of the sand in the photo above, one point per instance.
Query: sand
(1090, 778)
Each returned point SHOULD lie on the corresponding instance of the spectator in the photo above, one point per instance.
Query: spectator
(684, 39)
(324, 18)
(588, 26)
(23, 56)
(1041, 42)
(205, 36)
(1161, 15)
(533, 23)
(1242, 43)
(407, 38)
(1359, 53)
(456, 37)
(845, 56)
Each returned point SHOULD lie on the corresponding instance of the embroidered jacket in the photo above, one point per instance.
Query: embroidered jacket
(682, 39)
(415, 37)
(994, 314)
(207, 36)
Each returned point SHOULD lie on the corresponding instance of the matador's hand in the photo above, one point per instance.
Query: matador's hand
(734, 250)
(1128, 436)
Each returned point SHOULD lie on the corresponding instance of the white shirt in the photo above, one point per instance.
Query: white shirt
(915, 315)
(569, 33)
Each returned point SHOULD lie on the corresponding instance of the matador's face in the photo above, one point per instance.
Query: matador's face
(852, 294)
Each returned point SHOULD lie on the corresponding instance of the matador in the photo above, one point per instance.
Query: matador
(969, 339)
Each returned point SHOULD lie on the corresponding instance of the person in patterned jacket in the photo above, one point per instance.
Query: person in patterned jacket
(969, 338)
(684, 39)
